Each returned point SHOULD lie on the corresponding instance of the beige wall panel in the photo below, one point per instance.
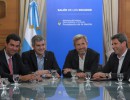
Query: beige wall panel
(124, 18)
(10, 22)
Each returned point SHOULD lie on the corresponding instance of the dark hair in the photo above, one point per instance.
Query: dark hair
(12, 36)
(121, 38)
(37, 38)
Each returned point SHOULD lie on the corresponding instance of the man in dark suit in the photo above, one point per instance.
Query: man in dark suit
(119, 60)
(10, 61)
(82, 59)
(39, 60)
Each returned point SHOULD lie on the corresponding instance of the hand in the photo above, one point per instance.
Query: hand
(66, 70)
(35, 77)
(41, 72)
(38, 78)
(99, 75)
(27, 77)
(80, 74)
(48, 75)
(58, 76)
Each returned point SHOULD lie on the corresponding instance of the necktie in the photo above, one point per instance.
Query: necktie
(10, 66)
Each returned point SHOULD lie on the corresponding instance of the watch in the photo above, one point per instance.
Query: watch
(44, 76)
(107, 75)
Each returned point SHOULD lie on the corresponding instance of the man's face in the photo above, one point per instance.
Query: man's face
(40, 47)
(118, 47)
(12, 47)
(81, 46)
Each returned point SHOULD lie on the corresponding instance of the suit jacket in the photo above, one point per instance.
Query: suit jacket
(112, 65)
(18, 67)
(30, 60)
(90, 64)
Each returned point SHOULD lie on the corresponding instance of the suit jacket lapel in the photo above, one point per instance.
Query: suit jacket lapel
(4, 59)
(34, 60)
(14, 65)
(116, 64)
(125, 62)
(45, 60)
(76, 60)
(86, 60)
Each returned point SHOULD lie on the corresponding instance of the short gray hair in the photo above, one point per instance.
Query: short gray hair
(79, 36)
(37, 38)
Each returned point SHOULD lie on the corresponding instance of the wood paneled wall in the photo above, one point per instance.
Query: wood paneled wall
(9, 20)
(124, 18)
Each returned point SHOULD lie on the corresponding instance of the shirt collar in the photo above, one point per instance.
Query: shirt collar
(6, 55)
(123, 55)
(83, 56)
(38, 55)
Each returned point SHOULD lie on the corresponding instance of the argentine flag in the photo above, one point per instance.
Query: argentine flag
(32, 26)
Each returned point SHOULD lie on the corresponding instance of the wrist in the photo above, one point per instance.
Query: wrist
(107, 75)
(20, 77)
(44, 76)
(110, 76)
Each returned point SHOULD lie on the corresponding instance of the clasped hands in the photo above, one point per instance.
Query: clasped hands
(47, 73)
(100, 75)
(37, 75)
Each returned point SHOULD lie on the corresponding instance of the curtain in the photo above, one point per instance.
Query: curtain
(24, 8)
(110, 19)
